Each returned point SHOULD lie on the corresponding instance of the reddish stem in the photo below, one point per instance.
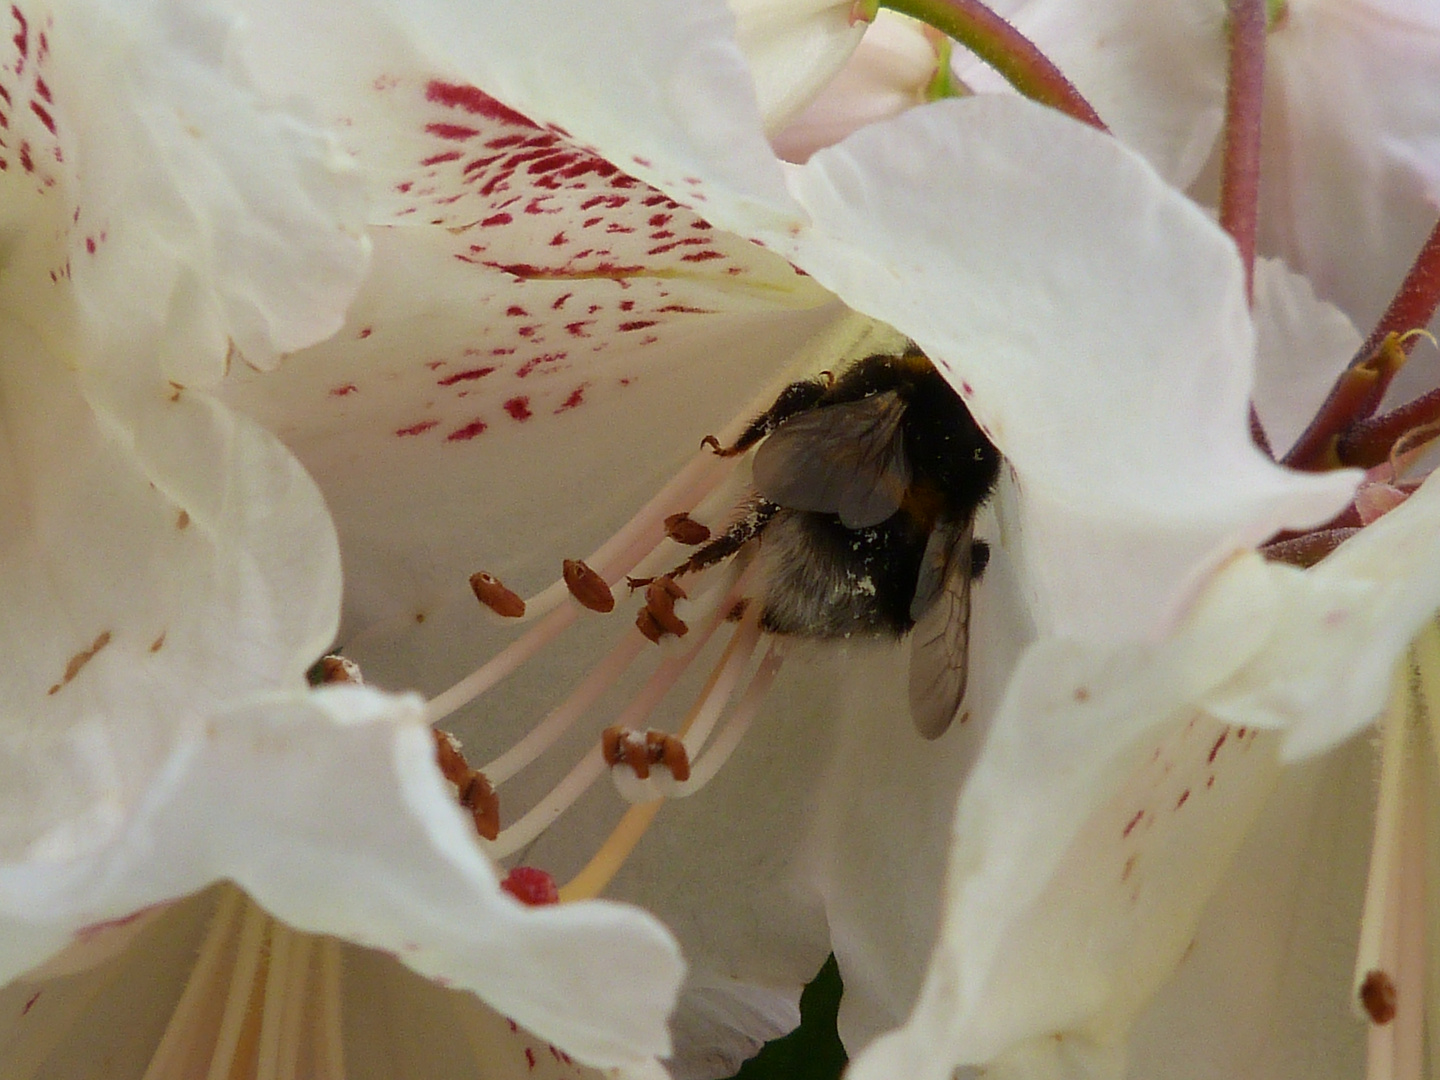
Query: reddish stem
(1415, 304)
(1000, 45)
(1309, 549)
(1344, 418)
(1367, 443)
(1240, 183)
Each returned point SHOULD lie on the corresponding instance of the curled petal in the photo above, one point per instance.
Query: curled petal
(187, 201)
(1326, 672)
(1088, 837)
(679, 113)
(328, 809)
(1103, 343)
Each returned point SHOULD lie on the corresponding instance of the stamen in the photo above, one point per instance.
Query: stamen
(329, 1042)
(588, 587)
(263, 1001)
(1390, 969)
(334, 668)
(473, 789)
(545, 813)
(615, 558)
(497, 596)
(606, 863)
(545, 734)
(736, 725)
(592, 766)
(180, 1043)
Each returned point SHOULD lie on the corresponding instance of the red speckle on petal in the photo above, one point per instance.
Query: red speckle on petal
(532, 886)
(1184, 796)
(1133, 822)
(518, 408)
(457, 132)
(530, 1057)
(22, 35)
(472, 100)
(468, 432)
(576, 397)
(30, 1002)
(497, 219)
(44, 115)
(365, 331)
(515, 311)
(468, 375)
(90, 244)
(343, 391)
(1216, 748)
(641, 324)
(418, 429)
(534, 362)
(440, 159)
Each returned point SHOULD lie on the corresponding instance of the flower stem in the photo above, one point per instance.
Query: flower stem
(1415, 304)
(1369, 442)
(1000, 45)
(1240, 183)
(1360, 388)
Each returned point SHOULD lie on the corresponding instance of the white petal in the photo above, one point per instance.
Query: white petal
(1088, 838)
(880, 846)
(184, 200)
(1154, 73)
(793, 49)
(722, 1023)
(679, 113)
(1349, 127)
(1343, 623)
(1303, 344)
(269, 795)
(1095, 321)
(888, 73)
(160, 556)
(1266, 990)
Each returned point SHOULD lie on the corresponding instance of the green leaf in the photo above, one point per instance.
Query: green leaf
(813, 1050)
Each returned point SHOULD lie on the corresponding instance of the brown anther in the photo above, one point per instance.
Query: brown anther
(478, 796)
(647, 624)
(667, 750)
(472, 789)
(738, 609)
(633, 583)
(491, 592)
(333, 669)
(660, 597)
(684, 529)
(621, 746)
(587, 586)
(1377, 996)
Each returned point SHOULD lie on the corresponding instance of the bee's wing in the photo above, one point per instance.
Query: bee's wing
(940, 642)
(847, 459)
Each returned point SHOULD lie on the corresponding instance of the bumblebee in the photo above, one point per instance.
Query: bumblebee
(862, 518)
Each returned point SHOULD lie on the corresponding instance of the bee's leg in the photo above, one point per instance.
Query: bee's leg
(757, 515)
(979, 558)
(795, 398)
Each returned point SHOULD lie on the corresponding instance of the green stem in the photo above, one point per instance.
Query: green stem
(1000, 45)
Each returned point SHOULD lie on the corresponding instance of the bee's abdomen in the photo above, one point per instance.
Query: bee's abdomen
(823, 580)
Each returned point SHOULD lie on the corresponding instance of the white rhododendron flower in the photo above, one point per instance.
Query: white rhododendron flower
(549, 332)
(170, 571)
(892, 69)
